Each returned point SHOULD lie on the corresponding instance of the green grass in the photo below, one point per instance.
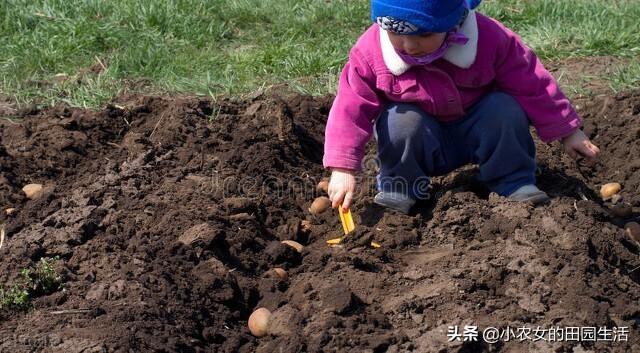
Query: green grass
(214, 47)
(40, 279)
(626, 77)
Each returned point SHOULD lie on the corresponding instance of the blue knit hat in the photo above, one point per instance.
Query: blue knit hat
(419, 16)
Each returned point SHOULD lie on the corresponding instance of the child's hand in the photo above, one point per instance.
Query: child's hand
(342, 187)
(578, 144)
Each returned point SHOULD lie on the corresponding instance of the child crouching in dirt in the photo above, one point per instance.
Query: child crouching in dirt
(444, 86)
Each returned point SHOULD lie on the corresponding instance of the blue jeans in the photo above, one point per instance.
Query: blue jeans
(494, 134)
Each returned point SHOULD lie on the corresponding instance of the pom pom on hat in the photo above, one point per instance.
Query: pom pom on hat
(414, 17)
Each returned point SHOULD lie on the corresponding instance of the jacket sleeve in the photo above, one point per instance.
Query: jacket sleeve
(351, 118)
(520, 73)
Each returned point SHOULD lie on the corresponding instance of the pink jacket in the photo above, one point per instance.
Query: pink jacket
(494, 59)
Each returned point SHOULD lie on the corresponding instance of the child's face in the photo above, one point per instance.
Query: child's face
(418, 45)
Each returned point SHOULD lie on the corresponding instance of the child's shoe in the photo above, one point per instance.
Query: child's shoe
(394, 200)
(530, 193)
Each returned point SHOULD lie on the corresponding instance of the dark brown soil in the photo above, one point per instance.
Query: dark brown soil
(167, 214)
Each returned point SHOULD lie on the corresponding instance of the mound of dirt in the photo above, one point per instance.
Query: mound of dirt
(167, 216)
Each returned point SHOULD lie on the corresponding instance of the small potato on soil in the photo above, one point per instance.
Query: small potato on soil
(320, 205)
(9, 211)
(633, 230)
(33, 191)
(259, 322)
(294, 244)
(323, 185)
(608, 190)
(280, 273)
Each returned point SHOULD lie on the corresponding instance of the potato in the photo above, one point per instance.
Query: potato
(610, 189)
(633, 230)
(33, 191)
(259, 322)
(294, 244)
(281, 273)
(9, 211)
(323, 185)
(320, 205)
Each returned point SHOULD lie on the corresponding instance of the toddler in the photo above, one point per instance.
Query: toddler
(441, 86)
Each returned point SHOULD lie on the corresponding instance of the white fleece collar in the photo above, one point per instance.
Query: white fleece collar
(462, 56)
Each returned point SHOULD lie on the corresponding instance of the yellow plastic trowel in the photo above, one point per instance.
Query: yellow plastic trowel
(348, 226)
(347, 220)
